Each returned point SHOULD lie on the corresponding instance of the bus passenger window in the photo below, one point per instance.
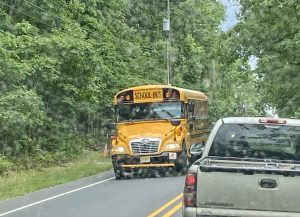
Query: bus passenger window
(191, 110)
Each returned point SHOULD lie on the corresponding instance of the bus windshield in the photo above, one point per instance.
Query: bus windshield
(149, 111)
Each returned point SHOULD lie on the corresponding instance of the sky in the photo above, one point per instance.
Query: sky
(232, 8)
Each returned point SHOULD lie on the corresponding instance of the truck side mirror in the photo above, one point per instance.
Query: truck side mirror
(196, 151)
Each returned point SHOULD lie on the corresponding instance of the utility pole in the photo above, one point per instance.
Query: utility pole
(238, 101)
(166, 28)
(213, 78)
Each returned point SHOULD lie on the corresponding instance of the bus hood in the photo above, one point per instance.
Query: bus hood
(158, 129)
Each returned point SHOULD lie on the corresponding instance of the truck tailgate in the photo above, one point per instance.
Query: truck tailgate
(250, 191)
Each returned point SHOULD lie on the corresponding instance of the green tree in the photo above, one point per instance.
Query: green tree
(269, 30)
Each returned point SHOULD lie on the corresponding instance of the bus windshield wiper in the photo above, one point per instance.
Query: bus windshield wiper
(167, 112)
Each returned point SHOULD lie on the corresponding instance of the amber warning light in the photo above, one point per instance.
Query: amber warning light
(171, 94)
(125, 97)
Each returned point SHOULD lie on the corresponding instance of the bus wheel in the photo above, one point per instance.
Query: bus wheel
(181, 162)
(118, 174)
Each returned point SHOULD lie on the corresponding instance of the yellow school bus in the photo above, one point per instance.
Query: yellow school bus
(155, 126)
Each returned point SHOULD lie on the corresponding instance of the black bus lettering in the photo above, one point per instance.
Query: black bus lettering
(137, 95)
(148, 95)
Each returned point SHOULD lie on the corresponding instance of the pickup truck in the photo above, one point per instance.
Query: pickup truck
(250, 167)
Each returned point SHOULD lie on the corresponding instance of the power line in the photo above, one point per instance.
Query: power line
(43, 9)
(26, 14)
(49, 12)
(40, 21)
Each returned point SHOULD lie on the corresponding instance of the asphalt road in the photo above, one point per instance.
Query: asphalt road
(102, 196)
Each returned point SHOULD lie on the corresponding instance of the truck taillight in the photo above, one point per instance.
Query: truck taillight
(190, 190)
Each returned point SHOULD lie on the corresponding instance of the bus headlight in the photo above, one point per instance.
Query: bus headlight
(119, 149)
(172, 146)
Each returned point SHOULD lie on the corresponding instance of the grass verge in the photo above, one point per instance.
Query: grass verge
(17, 184)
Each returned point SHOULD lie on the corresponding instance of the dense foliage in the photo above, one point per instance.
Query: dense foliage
(61, 62)
(270, 31)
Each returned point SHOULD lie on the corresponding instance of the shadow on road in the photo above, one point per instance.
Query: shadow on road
(153, 173)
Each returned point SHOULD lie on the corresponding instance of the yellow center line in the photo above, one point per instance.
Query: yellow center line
(173, 210)
(166, 205)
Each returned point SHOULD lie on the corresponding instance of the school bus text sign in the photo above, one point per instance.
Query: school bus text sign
(140, 96)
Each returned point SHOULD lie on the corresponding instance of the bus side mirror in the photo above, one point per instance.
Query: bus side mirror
(191, 107)
(108, 110)
(192, 117)
(110, 126)
(175, 122)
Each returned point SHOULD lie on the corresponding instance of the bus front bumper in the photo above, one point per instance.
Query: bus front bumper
(134, 162)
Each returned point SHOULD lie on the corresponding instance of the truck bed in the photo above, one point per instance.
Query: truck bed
(248, 185)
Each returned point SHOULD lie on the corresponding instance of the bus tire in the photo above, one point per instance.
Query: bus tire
(117, 169)
(118, 173)
(181, 161)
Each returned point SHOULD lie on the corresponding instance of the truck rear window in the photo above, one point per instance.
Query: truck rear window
(262, 141)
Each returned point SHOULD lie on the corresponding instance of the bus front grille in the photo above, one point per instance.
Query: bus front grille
(145, 146)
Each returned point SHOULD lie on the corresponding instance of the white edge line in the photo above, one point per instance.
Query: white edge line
(51, 198)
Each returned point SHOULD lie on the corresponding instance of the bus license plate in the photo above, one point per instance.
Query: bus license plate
(145, 159)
